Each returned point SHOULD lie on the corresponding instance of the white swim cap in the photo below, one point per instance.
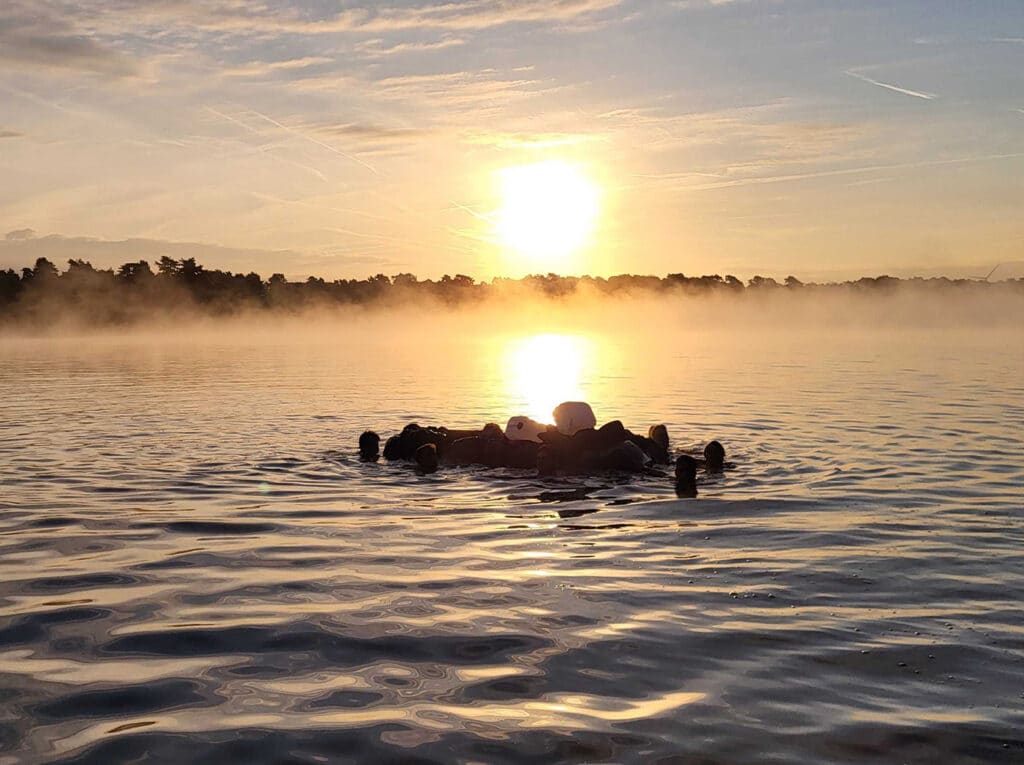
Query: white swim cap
(572, 416)
(523, 429)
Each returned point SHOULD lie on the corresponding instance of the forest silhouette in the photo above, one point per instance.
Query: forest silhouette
(135, 292)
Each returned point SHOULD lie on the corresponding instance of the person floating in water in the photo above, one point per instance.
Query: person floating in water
(369, 446)
(686, 468)
(714, 458)
(572, 446)
(426, 459)
(686, 476)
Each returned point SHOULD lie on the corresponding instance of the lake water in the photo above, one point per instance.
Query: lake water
(195, 567)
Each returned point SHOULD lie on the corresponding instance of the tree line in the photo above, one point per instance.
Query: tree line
(45, 294)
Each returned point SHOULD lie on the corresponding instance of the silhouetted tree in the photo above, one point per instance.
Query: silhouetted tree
(43, 271)
(10, 287)
(189, 270)
(135, 272)
(133, 291)
(762, 282)
(167, 266)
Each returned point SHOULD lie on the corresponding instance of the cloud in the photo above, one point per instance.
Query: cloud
(753, 135)
(685, 5)
(482, 90)
(374, 135)
(257, 17)
(33, 35)
(483, 14)
(20, 235)
(528, 140)
(889, 86)
(265, 68)
(10, 134)
(734, 147)
(760, 180)
(377, 47)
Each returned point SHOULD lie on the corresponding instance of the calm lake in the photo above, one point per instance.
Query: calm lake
(194, 566)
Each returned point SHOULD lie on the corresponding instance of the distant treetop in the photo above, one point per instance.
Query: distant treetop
(133, 292)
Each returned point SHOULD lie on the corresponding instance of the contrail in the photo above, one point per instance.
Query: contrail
(470, 211)
(51, 104)
(266, 149)
(371, 168)
(237, 121)
(310, 138)
(852, 171)
(893, 88)
(336, 150)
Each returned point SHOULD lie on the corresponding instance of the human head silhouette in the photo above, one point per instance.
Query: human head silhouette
(426, 458)
(369, 446)
(714, 456)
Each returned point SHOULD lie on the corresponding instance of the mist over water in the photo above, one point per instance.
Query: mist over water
(194, 564)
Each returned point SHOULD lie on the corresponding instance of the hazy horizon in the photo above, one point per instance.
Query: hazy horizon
(21, 249)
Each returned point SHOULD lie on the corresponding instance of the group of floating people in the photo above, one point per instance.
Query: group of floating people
(574, 445)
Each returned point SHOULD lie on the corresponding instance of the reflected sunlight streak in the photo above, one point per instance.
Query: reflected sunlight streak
(545, 370)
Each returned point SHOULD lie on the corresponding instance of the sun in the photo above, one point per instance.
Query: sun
(548, 210)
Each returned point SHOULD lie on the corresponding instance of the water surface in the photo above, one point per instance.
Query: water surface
(195, 567)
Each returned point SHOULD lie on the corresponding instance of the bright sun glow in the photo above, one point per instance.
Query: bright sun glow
(545, 370)
(548, 210)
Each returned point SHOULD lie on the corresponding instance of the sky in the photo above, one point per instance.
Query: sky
(825, 139)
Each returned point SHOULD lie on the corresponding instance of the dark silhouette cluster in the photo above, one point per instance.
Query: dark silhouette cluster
(610, 448)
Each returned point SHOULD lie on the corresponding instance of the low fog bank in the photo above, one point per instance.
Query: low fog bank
(184, 295)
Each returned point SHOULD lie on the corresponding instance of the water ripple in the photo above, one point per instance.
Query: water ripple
(196, 567)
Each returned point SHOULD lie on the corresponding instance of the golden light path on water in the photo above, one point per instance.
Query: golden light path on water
(546, 369)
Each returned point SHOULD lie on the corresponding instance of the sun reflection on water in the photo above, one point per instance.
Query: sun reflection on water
(546, 369)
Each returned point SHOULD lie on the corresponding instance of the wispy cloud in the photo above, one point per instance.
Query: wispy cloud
(526, 140)
(890, 86)
(264, 68)
(731, 140)
(259, 17)
(10, 134)
(686, 5)
(754, 181)
(377, 46)
(371, 137)
(464, 89)
(32, 35)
